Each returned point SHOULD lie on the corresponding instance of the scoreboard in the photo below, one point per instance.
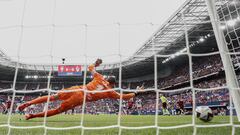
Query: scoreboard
(69, 70)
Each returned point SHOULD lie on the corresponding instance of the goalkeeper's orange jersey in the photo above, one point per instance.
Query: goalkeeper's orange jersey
(99, 84)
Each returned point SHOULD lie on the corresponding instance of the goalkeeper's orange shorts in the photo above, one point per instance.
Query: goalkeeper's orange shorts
(71, 99)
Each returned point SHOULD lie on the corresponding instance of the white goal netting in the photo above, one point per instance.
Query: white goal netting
(197, 23)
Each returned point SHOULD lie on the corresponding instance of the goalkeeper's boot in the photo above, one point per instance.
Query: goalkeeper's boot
(23, 106)
(28, 116)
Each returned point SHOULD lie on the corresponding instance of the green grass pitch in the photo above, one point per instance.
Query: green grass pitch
(107, 120)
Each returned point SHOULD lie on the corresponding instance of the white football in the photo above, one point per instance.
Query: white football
(204, 113)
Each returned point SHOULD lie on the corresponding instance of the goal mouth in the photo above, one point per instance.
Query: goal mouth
(150, 67)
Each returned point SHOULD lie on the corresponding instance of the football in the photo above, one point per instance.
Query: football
(204, 113)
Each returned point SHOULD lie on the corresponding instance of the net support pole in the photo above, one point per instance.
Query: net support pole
(51, 70)
(157, 94)
(48, 99)
(16, 68)
(84, 79)
(231, 114)
(191, 76)
(227, 63)
(120, 81)
(155, 86)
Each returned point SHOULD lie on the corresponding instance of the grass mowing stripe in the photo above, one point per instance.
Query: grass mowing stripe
(107, 120)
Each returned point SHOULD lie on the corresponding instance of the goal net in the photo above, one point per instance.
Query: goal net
(168, 64)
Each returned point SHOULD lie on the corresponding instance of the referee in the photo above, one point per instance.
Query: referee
(164, 105)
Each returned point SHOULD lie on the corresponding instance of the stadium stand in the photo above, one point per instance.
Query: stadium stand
(172, 73)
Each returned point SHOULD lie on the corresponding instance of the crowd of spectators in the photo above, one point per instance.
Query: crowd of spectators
(201, 67)
(146, 102)
(208, 65)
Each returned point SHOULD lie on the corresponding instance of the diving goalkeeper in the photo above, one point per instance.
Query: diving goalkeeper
(75, 98)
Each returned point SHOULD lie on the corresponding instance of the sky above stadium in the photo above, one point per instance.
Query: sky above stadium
(101, 16)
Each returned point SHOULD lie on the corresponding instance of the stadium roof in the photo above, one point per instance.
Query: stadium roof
(168, 39)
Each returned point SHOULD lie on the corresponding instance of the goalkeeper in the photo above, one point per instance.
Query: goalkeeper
(75, 98)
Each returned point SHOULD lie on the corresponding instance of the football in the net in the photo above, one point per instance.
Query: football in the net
(204, 113)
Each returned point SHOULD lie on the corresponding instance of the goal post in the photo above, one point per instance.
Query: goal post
(231, 79)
